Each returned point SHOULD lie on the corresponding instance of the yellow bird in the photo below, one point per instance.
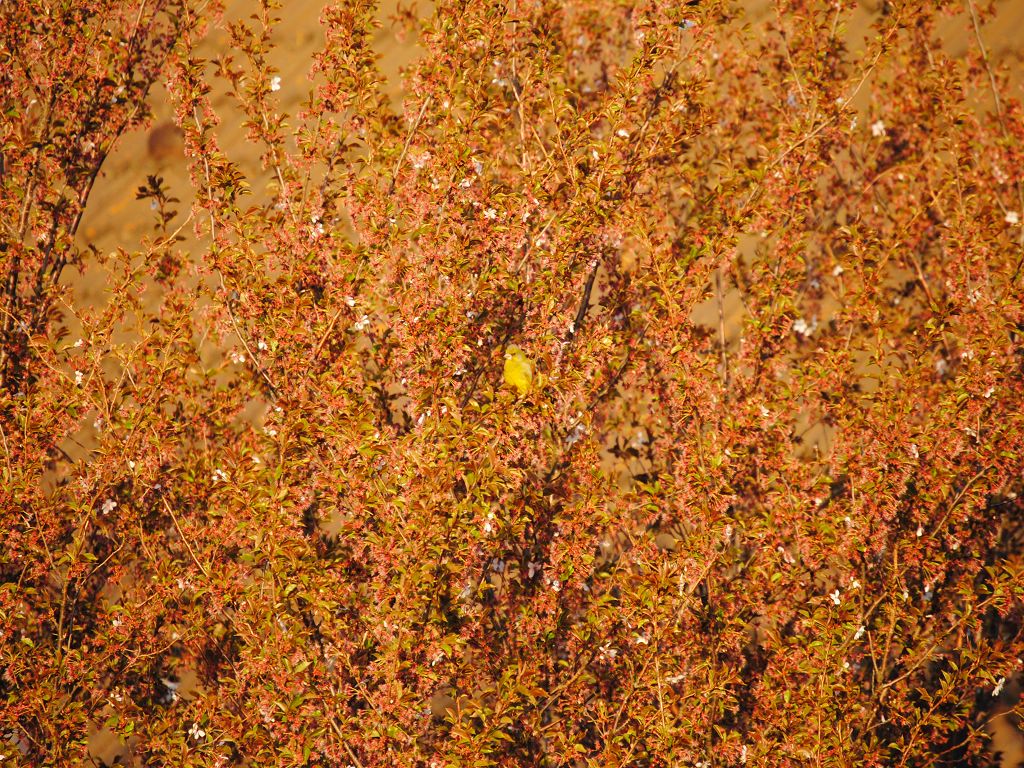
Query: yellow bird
(518, 369)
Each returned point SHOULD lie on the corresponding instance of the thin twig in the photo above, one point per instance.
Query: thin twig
(408, 140)
(721, 329)
(181, 533)
(330, 327)
(581, 313)
(245, 344)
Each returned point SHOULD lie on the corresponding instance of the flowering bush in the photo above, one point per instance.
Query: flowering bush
(787, 535)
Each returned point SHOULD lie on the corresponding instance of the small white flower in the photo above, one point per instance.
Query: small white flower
(1012, 218)
(115, 622)
(838, 270)
(556, 585)
(108, 506)
(859, 633)
(261, 345)
(802, 328)
(834, 597)
(77, 344)
(920, 531)
(219, 475)
(914, 452)
(999, 687)
(532, 569)
(466, 183)
(361, 324)
(421, 160)
(622, 133)
(878, 129)
(78, 378)
(491, 214)
(196, 732)
(854, 583)
(478, 167)
(237, 357)
(275, 83)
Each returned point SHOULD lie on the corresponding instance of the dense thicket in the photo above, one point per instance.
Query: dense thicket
(758, 505)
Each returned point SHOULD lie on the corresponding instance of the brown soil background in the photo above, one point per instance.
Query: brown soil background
(115, 218)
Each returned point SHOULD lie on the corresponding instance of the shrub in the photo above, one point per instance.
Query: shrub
(785, 536)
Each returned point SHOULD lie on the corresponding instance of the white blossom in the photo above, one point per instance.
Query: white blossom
(275, 83)
(803, 328)
(999, 687)
(108, 506)
(878, 129)
(834, 597)
(1012, 218)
